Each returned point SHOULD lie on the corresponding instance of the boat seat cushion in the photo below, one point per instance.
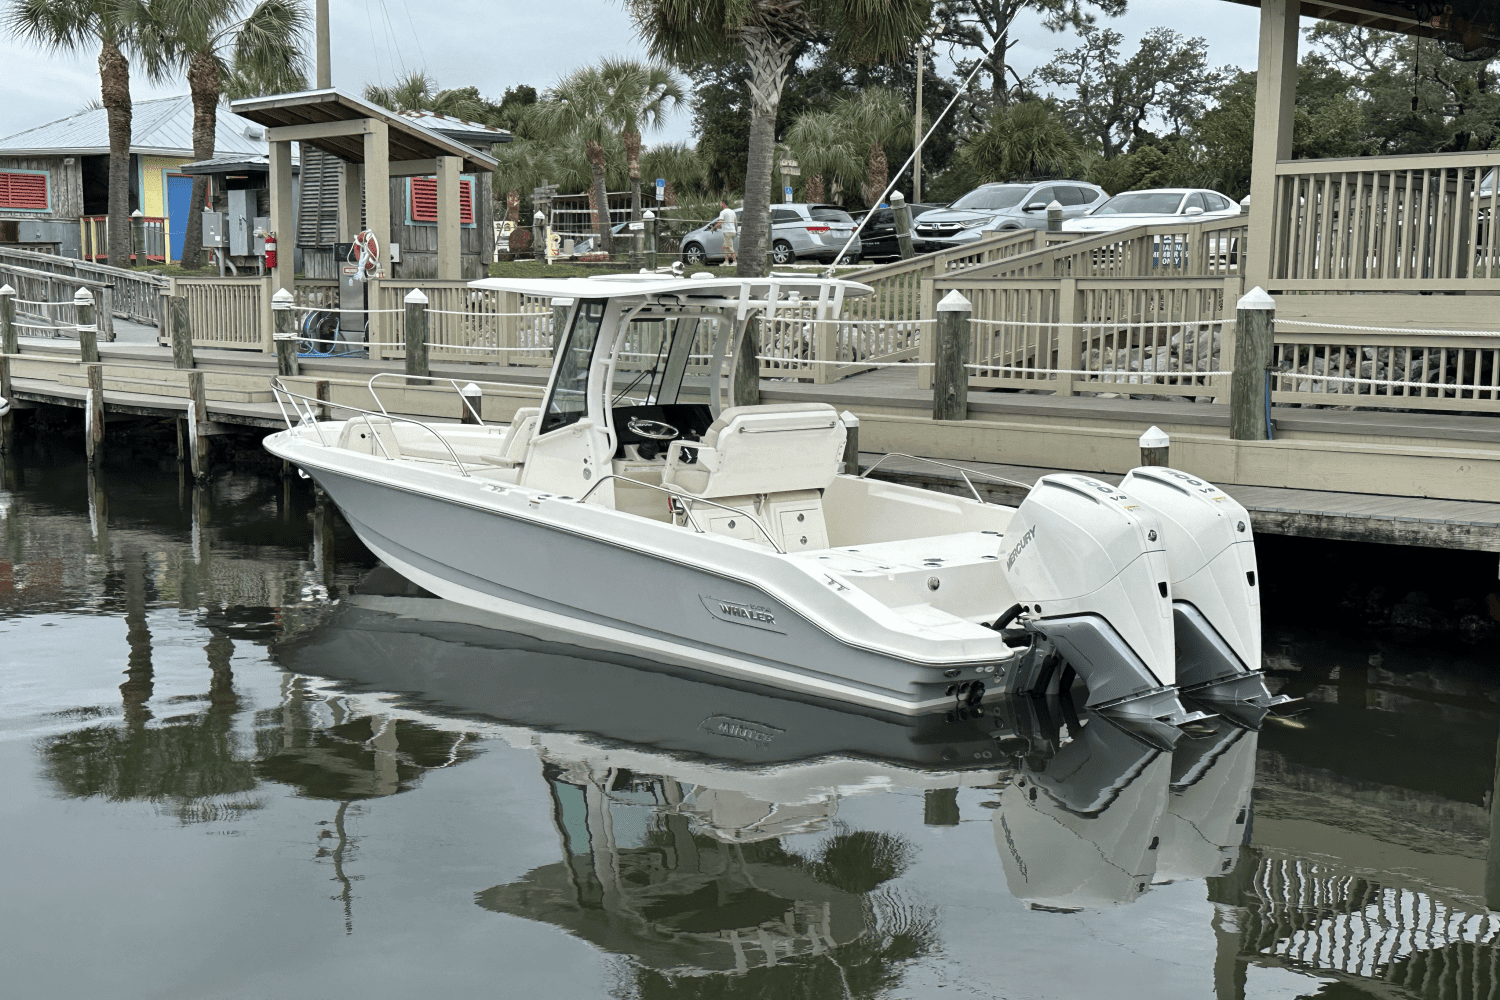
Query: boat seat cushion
(370, 436)
(512, 450)
(753, 450)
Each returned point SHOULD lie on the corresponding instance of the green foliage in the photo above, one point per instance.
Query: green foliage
(1025, 140)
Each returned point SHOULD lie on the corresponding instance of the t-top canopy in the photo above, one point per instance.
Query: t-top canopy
(408, 139)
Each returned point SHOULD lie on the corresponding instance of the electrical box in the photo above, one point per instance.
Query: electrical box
(352, 292)
(241, 220)
(213, 229)
(262, 226)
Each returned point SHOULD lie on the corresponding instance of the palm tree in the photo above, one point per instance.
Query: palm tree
(881, 117)
(419, 92)
(71, 25)
(1024, 141)
(826, 150)
(679, 165)
(644, 93)
(768, 34)
(584, 108)
(214, 40)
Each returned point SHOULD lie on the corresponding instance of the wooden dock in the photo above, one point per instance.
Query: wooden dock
(1424, 479)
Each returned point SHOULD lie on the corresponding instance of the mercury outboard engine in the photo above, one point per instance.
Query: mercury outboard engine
(1089, 566)
(1214, 584)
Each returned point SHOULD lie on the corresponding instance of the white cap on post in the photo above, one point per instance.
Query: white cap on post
(648, 215)
(471, 390)
(7, 290)
(281, 299)
(897, 199)
(955, 302)
(1054, 205)
(1155, 438)
(83, 297)
(415, 298)
(1256, 299)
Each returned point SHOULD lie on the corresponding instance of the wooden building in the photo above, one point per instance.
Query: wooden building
(54, 178)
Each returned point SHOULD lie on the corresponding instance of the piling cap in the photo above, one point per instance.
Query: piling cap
(955, 302)
(897, 199)
(83, 296)
(7, 290)
(849, 419)
(1155, 438)
(282, 299)
(648, 215)
(1255, 300)
(1054, 206)
(471, 390)
(415, 298)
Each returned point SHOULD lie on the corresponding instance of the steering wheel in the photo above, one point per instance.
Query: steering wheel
(656, 430)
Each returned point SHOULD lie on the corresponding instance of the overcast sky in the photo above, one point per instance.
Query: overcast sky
(499, 43)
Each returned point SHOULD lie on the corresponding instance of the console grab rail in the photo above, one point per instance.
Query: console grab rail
(687, 507)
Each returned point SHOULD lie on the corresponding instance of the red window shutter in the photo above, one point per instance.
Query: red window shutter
(424, 204)
(424, 199)
(23, 191)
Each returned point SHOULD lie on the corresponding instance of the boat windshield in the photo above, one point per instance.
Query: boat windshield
(569, 402)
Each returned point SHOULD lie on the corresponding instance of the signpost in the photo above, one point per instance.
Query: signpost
(786, 194)
(661, 191)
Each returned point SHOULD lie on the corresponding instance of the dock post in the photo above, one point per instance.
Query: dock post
(197, 417)
(93, 415)
(1249, 387)
(851, 443)
(8, 346)
(287, 364)
(416, 337)
(324, 392)
(181, 330)
(744, 383)
(902, 213)
(950, 379)
(1054, 216)
(1154, 446)
(473, 400)
(88, 329)
(649, 218)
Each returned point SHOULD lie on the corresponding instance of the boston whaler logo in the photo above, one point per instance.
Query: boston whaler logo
(740, 729)
(741, 614)
(1021, 546)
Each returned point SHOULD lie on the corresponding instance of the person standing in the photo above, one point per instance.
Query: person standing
(727, 227)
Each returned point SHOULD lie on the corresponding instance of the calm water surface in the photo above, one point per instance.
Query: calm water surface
(237, 759)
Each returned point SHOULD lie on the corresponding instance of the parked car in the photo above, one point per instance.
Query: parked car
(997, 207)
(1156, 207)
(879, 235)
(798, 232)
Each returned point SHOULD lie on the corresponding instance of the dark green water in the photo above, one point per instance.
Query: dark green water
(235, 763)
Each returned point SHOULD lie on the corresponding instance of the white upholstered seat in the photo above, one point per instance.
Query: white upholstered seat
(756, 450)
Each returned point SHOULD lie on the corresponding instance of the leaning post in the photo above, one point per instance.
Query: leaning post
(1154, 447)
(744, 386)
(950, 379)
(1249, 387)
(181, 329)
(88, 329)
(287, 363)
(649, 218)
(8, 345)
(93, 415)
(1054, 217)
(902, 213)
(196, 419)
(416, 337)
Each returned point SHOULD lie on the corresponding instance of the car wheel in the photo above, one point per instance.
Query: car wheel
(848, 259)
(693, 254)
(782, 253)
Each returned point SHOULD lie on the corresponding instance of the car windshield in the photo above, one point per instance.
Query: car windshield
(993, 198)
(821, 213)
(1142, 203)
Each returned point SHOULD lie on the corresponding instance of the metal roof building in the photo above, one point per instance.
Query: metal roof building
(163, 127)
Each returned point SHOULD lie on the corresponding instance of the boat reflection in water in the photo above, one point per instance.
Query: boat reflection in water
(677, 801)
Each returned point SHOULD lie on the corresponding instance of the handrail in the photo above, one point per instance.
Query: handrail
(686, 509)
(957, 468)
(370, 386)
(277, 387)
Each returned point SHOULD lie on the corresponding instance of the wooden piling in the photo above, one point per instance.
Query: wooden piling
(1155, 445)
(93, 415)
(323, 391)
(7, 414)
(902, 213)
(649, 218)
(88, 328)
(744, 385)
(197, 417)
(288, 365)
(472, 405)
(1054, 217)
(416, 337)
(180, 329)
(1254, 342)
(851, 443)
(950, 379)
(9, 344)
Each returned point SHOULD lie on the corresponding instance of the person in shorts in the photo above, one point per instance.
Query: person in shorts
(727, 228)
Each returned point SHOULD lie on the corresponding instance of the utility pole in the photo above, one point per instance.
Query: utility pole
(916, 164)
(325, 72)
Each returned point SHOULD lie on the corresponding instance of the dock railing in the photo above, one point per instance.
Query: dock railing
(136, 295)
(44, 302)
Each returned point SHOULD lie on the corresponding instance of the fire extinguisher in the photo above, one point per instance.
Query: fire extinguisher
(270, 250)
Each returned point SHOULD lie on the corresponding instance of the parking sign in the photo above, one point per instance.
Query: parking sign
(661, 190)
(786, 194)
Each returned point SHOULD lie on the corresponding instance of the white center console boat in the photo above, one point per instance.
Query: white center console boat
(731, 540)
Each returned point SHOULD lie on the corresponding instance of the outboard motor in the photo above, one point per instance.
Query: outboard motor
(1214, 584)
(1088, 565)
